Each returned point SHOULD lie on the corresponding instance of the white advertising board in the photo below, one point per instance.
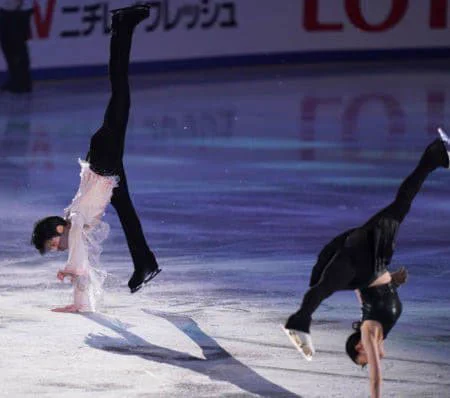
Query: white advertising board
(73, 33)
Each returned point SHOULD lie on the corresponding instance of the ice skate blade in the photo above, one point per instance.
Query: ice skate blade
(152, 275)
(298, 344)
(444, 136)
(446, 140)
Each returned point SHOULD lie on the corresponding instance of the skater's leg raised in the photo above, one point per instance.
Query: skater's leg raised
(107, 144)
(434, 156)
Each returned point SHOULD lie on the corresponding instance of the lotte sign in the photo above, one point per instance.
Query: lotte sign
(396, 10)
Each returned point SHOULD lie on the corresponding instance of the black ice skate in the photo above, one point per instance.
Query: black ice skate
(129, 16)
(141, 278)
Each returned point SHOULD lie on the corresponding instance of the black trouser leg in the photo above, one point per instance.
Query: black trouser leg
(20, 70)
(107, 144)
(337, 275)
(434, 156)
(142, 256)
(107, 148)
(14, 34)
(6, 41)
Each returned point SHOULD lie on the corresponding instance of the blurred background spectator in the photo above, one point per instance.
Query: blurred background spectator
(15, 16)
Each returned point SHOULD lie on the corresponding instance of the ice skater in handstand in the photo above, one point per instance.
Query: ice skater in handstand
(358, 259)
(103, 180)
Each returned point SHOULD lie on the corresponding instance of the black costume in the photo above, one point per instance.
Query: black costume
(356, 258)
(382, 304)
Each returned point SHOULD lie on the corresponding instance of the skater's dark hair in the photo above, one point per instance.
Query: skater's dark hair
(44, 230)
(352, 341)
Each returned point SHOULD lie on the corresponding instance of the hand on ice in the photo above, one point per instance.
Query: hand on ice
(67, 308)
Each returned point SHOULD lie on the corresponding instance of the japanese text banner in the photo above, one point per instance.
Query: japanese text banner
(68, 33)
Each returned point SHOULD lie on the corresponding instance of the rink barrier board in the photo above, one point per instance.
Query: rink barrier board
(246, 60)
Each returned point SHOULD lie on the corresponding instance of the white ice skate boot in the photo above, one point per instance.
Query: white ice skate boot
(302, 341)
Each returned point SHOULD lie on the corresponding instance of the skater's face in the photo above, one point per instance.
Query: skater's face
(52, 245)
(57, 243)
(362, 358)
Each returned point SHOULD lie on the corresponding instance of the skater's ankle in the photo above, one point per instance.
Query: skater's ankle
(298, 322)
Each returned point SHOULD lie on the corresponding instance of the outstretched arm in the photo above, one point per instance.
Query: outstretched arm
(369, 337)
(77, 259)
(77, 267)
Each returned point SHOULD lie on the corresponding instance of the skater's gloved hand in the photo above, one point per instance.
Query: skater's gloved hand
(400, 276)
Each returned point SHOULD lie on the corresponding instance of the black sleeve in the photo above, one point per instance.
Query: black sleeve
(384, 235)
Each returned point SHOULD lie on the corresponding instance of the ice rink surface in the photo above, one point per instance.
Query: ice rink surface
(240, 177)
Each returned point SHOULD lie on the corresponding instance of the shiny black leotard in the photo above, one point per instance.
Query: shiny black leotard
(382, 304)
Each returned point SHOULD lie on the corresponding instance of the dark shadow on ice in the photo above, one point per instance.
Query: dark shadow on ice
(218, 364)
